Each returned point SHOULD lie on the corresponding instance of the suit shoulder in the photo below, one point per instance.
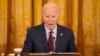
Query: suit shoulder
(38, 27)
(65, 28)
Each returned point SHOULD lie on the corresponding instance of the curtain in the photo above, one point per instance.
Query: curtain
(82, 16)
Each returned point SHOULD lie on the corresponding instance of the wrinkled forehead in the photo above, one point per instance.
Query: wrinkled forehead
(51, 6)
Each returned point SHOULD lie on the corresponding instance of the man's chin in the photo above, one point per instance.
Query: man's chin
(50, 26)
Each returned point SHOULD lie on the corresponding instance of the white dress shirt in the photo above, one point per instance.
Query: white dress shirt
(54, 34)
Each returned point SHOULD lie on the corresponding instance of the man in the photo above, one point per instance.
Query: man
(49, 36)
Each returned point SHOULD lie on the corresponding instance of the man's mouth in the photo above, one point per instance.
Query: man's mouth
(50, 24)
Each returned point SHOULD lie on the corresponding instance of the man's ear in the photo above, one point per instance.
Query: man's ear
(58, 16)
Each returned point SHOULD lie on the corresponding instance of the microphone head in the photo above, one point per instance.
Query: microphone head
(53, 37)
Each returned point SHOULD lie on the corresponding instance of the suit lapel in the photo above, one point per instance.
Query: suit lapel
(59, 38)
(44, 39)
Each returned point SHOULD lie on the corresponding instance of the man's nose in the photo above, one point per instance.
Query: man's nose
(50, 18)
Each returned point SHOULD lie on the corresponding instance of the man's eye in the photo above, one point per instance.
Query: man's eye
(53, 16)
(47, 16)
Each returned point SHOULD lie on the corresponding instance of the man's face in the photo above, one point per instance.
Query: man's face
(50, 16)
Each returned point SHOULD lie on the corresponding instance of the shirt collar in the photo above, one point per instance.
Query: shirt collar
(54, 30)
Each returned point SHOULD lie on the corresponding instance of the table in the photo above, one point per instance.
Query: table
(51, 54)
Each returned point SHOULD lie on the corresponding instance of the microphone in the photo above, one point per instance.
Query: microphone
(53, 37)
(54, 41)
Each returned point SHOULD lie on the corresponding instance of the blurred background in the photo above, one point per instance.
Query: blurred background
(82, 16)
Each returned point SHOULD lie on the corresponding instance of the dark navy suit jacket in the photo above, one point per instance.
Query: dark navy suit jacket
(36, 40)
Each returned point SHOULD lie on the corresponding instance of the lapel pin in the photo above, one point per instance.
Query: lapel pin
(61, 34)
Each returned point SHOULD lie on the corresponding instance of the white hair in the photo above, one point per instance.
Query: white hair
(51, 5)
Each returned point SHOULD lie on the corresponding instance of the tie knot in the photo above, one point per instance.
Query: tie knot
(51, 32)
